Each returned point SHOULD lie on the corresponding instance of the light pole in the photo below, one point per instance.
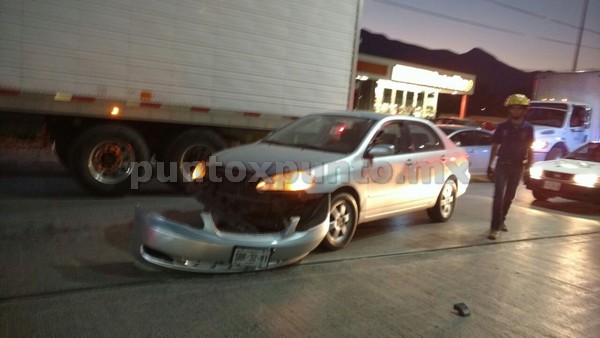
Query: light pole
(579, 38)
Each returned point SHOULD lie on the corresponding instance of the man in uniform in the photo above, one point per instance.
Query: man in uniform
(511, 142)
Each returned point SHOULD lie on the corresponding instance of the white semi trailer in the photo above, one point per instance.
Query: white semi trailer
(123, 82)
(565, 112)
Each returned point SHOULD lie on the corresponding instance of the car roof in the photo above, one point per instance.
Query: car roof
(371, 115)
(459, 127)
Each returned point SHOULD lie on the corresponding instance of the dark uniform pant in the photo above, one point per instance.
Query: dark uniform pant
(507, 177)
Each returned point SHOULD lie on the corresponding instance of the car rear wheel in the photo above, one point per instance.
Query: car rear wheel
(446, 201)
(343, 217)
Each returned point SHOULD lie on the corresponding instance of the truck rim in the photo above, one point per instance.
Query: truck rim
(190, 157)
(111, 162)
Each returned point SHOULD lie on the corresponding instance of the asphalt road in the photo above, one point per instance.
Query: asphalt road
(65, 271)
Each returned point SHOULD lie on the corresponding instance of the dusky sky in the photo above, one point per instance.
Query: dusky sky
(530, 35)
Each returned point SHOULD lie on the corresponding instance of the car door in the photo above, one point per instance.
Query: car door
(387, 189)
(427, 171)
(577, 127)
(478, 144)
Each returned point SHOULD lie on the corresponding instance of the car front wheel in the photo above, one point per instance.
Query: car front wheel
(540, 195)
(343, 217)
(444, 207)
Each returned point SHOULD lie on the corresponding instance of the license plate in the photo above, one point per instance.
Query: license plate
(251, 257)
(550, 185)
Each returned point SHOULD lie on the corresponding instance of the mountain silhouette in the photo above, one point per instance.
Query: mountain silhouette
(494, 80)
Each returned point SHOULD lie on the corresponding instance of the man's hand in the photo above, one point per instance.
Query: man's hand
(490, 173)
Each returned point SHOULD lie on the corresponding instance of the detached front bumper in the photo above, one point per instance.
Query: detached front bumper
(176, 245)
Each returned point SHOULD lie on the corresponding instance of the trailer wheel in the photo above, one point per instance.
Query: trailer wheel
(62, 149)
(185, 150)
(105, 157)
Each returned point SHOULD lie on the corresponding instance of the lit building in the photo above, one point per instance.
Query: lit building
(393, 87)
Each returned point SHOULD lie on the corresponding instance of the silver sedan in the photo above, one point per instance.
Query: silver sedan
(270, 203)
(476, 141)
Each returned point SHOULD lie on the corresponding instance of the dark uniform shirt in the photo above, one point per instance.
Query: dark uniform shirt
(514, 141)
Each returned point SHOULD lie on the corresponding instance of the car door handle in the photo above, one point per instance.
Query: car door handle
(443, 158)
(409, 163)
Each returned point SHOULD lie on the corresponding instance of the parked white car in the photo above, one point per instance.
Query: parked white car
(575, 177)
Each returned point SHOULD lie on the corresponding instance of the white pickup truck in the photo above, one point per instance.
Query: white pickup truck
(565, 112)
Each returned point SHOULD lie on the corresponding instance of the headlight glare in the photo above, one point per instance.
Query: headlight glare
(535, 172)
(292, 181)
(199, 171)
(539, 145)
(587, 180)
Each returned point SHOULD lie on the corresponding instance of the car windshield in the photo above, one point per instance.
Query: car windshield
(545, 117)
(339, 134)
(589, 152)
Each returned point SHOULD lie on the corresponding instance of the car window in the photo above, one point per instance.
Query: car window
(309, 130)
(545, 117)
(459, 139)
(578, 117)
(391, 133)
(588, 152)
(340, 134)
(470, 138)
(479, 138)
(423, 138)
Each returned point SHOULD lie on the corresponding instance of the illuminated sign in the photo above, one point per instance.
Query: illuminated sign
(429, 78)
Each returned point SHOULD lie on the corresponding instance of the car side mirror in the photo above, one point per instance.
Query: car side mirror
(380, 150)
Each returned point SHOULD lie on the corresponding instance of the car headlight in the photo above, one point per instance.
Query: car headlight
(199, 171)
(539, 145)
(536, 172)
(292, 181)
(587, 180)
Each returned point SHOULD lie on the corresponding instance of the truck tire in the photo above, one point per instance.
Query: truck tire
(104, 158)
(62, 149)
(556, 152)
(186, 149)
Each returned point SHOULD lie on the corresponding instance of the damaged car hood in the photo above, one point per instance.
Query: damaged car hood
(263, 153)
